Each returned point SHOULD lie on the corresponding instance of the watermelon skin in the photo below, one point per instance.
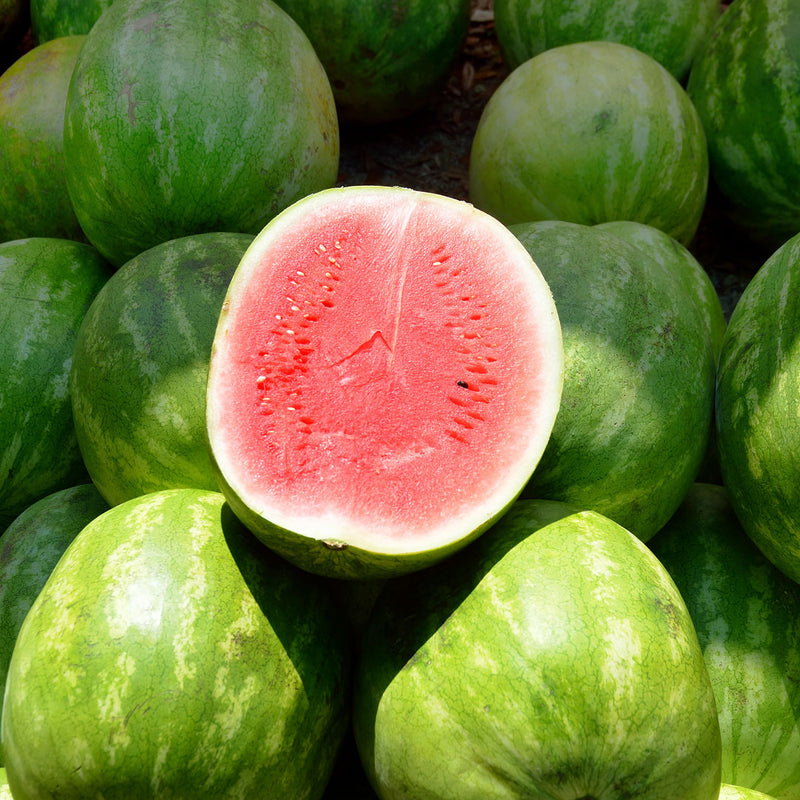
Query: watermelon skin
(189, 662)
(553, 657)
(33, 93)
(591, 132)
(640, 363)
(384, 60)
(672, 33)
(730, 792)
(48, 285)
(758, 434)
(377, 345)
(747, 617)
(29, 550)
(139, 369)
(743, 85)
(51, 19)
(161, 143)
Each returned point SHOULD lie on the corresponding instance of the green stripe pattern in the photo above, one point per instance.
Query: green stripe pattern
(554, 657)
(138, 376)
(747, 617)
(170, 655)
(744, 86)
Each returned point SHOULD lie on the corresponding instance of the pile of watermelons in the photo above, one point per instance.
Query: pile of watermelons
(314, 488)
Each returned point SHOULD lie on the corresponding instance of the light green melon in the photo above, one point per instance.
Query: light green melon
(591, 132)
(552, 658)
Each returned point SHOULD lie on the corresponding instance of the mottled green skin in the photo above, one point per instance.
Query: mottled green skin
(48, 285)
(170, 655)
(591, 132)
(29, 550)
(672, 32)
(384, 59)
(552, 658)
(758, 429)
(744, 87)
(747, 617)
(33, 94)
(185, 119)
(730, 792)
(636, 409)
(51, 19)
(138, 374)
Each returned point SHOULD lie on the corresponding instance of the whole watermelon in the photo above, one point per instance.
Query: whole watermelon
(747, 617)
(744, 87)
(671, 32)
(138, 373)
(640, 335)
(51, 19)
(33, 94)
(189, 663)
(29, 550)
(48, 285)
(758, 429)
(186, 118)
(384, 60)
(553, 657)
(591, 132)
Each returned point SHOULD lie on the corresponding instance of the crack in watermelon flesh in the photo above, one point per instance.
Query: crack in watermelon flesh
(386, 362)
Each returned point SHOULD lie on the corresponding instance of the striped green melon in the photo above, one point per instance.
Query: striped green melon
(384, 60)
(138, 376)
(591, 132)
(171, 655)
(48, 285)
(33, 95)
(671, 32)
(29, 550)
(747, 617)
(758, 429)
(51, 19)
(744, 87)
(552, 658)
(729, 792)
(385, 375)
(185, 118)
(640, 358)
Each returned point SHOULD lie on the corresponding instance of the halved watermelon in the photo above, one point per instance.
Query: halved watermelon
(385, 375)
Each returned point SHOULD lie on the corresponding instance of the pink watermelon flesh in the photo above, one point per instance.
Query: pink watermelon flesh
(387, 365)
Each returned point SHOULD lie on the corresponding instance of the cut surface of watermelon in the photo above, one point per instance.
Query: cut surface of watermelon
(385, 375)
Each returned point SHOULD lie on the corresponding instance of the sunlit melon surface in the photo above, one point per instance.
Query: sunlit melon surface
(388, 364)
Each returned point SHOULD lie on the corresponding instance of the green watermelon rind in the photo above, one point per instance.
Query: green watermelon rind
(758, 434)
(215, 668)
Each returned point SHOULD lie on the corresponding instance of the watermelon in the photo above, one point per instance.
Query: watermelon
(33, 95)
(188, 662)
(758, 430)
(385, 374)
(48, 285)
(672, 33)
(187, 118)
(747, 617)
(744, 87)
(29, 550)
(553, 657)
(138, 373)
(640, 360)
(51, 19)
(730, 792)
(384, 60)
(591, 132)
